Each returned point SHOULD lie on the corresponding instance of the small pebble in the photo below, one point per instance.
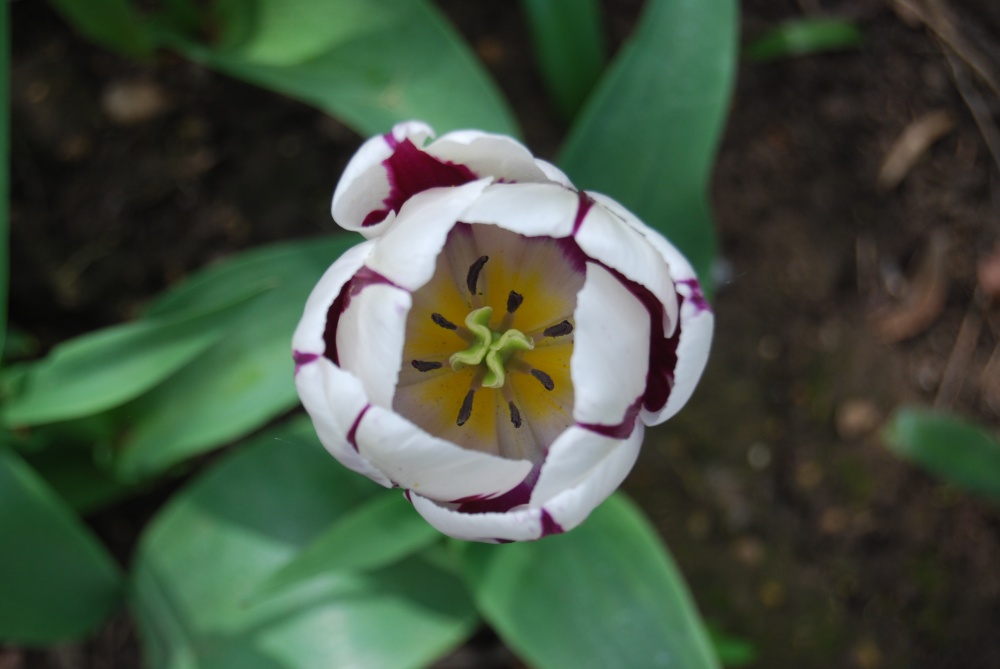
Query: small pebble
(857, 417)
(132, 102)
(759, 456)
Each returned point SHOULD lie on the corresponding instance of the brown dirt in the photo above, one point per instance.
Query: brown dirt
(793, 525)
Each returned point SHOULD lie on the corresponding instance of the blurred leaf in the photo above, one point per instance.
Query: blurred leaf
(605, 595)
(369, 63)
(288, 32)
(377, 534)
(569, 43)
(75, 476)
(732, 651)
(804, 36)
(56, 580)
(112, 23)
(244, 380)
(955, 450)
(73, 459)
(246, 517)
(104, 369)
(648, 135)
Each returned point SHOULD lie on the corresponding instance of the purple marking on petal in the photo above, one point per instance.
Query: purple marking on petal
(549, 525)
(697, 297)
(363, 278)
(391, 140)
(406, 494)
(410, 171)
(662, 350)
(352, 434)
(623, 429)
(581, 211)
(302, 358)
(516, 496)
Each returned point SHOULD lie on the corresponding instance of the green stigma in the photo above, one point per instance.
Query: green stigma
(493, 349)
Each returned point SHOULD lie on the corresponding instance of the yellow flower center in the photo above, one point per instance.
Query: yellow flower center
(486, 384)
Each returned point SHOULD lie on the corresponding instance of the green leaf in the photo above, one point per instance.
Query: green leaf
(369, 63)
(656, 118)
(74, 459)
(952, 449)
(112, 23)
(377, 534)
(56, 581)
(605, 595)
(804, 36)
(246, 517)
(569, 44)
(732, 651)
(245, 379)
(107, 368)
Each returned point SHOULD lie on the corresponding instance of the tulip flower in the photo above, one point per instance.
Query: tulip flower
(499, 342)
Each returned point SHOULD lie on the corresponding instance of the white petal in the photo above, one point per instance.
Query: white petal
(692, 355)
(308, 337)
(520, 525)
(610, 350)
(530, 209)
(364, 184)
(680, 268)
(334, 399)
(585, 482)
(573, 505)
(607, 238)
(696, 319)
(570, 460)
(407, 253)
(486, 154)
(553, 173)
(370, 339)
(433, 467)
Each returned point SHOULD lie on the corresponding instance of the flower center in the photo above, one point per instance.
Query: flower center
(497, 379)
(491, 349)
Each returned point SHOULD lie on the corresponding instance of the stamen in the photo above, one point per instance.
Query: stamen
(425, 365)
(559, 329)
(515, 415)
(443, 322)
(514, 300)
(466, 411)
(473, 276)
(543, 378)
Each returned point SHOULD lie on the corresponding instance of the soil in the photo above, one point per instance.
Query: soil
(839, 299)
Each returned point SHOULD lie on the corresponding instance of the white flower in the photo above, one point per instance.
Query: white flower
(499, 342)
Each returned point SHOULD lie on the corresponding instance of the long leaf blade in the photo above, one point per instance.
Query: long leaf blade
(245, 517)
(371, 536)
(386, 61)
(649, 133)
(570, 49)
(244, 380)
(606, 596)
(56, 581)
(955, 450)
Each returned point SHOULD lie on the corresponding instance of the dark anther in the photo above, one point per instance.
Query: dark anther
(543, 378)
(559, 329)
(515, 415)
(466, 411)
(443, 322)
(514, 301)
(425, 366)
(474, 269)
